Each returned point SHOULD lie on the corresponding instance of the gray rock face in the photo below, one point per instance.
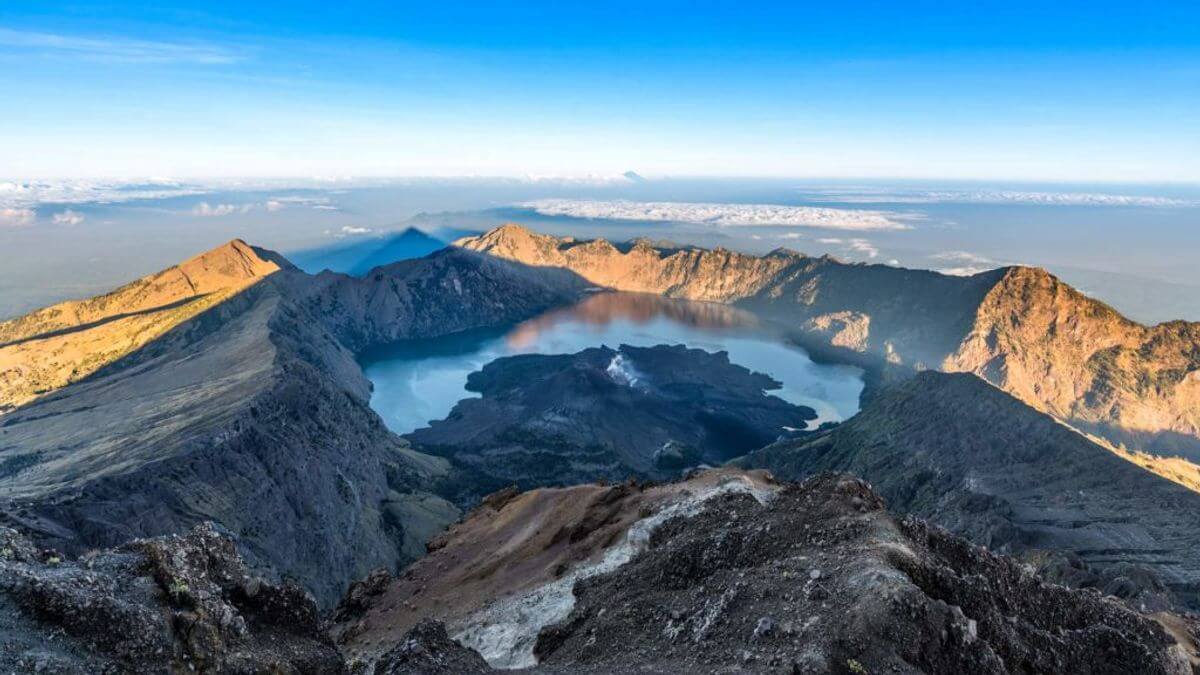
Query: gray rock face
(254, 415)
(732, 589)
(963, 454)
(428, 650)
(607, 413)
(175, 604)
(814, 577)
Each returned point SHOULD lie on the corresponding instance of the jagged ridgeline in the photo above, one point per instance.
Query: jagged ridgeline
(1019, 328)
(226, 389)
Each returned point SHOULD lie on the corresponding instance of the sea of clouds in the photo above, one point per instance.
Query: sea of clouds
(1036, 198)
(724, 215)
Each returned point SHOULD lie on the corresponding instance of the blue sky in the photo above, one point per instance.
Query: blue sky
(1034, 91)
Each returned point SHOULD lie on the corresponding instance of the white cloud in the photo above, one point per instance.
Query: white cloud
(350, 229)
(12, 216)
(791, 235)
(207, 210)
(68, 217)
(968, 263)
(964, 271)
(961, 256)
(723, 215)
(280, 203)
(863, 246)
(119, 50)
(855, 245)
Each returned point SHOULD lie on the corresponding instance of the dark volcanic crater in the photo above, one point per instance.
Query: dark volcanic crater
(609, 414)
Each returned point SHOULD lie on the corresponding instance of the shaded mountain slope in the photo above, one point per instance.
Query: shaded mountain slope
(253, 414)
(607, 413)
(958, 451)
(732, 573)
(448, 291)
(1018, 327)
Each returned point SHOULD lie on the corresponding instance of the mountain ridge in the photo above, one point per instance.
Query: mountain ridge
(253, 412)
(1017, 327)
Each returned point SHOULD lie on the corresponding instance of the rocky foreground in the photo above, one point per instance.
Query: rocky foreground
(172, 604)
(724, 572)
(728, 573)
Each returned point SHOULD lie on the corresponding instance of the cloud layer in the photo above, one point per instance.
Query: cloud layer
(25, 194)
(723, 215)
(870, 196)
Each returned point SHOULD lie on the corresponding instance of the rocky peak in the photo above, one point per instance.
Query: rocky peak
(736, 573)
(231, 263)
(698, 274)
(511, 241)
(1080, 360)
(52, 347)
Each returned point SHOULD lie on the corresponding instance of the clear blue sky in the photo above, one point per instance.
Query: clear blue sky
(991, 90)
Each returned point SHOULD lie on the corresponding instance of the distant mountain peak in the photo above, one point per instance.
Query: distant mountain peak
(634, 177)
(233, 260)
(64, 343)
(510, 239)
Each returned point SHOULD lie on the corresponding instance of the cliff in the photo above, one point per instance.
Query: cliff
(1081, 361)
